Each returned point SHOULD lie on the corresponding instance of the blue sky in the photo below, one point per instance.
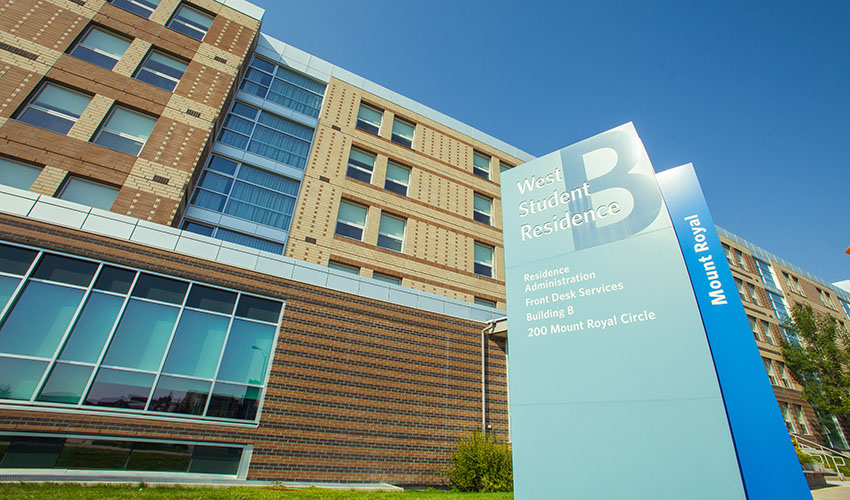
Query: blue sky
(755, 94)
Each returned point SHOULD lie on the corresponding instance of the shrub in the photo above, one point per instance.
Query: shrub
(481, 464)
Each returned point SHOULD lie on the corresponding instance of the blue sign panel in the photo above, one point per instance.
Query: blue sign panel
(757, 426)
(613, 388)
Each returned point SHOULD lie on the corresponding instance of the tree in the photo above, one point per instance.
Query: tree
(821, 362)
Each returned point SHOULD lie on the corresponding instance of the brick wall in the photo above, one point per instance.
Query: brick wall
(360, 390)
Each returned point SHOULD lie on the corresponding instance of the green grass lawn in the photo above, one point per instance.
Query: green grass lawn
(77, 492)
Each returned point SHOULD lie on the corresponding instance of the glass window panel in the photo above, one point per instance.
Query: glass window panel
(386, 278)
(17, 175)
(211, 299)
(197, 345)
(89, 193)
(484, 302)
(351, 213)
(482, 203)
(113, 279)
(143, 8)
(190, 22)
(481, 165)
(164, 457)
(142, 335)
(32, 453)
(504, 166)
(161, 70)
(398, 173)
(180, 395)
(65, 270)
(92, 329)
(38, 319)
(198, 228)
(55, 108)
(234, 401)
(65, 384)
(15, 260)
(215, 459)
(7, 288)
(249, 241)
(93, 454)
(125, 131)
(338, 266)
(120, 389)
(246, 355)
(391, 232)
(19, 377)
(162, 289)
(100, 47)
(209, 200)
(245, 110)
(224, 165)
(259, 309)
(369, 118)
(403, 132)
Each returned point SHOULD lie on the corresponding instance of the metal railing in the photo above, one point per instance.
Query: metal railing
(822, 453)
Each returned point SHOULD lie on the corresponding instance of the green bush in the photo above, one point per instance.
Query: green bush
(481, 464)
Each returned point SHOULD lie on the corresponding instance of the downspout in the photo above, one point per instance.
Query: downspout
(491, 325)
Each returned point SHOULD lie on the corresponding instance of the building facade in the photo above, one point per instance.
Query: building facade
(222, 257)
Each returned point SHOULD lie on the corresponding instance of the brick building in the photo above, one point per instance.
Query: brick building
(222, 256)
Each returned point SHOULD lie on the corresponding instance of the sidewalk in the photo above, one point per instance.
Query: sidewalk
(837, 490)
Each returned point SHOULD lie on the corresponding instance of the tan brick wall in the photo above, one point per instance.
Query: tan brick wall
(440, 230)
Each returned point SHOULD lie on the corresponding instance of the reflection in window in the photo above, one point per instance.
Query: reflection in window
(167, 345)
(54, 108)
(391, 232)
(481, 165)
(143, 8)
(403, 132)
(483, 258)
(351, 220)
(191, 22)
(126, 131)
(369, 118)
(92, 194)
(397, 179)
(161, 70)
(267, 135)
(280, 85)
(360, 165)
(100, 47)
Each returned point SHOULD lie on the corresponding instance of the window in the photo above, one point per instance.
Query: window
(267, 135)
(403, 132)
(351, 220)
(728, 253)
(786, 415)
(483, 260)
(766, 273)
(142, 8)
(398, 178)
(88, 193)
(753, 294)
(100, 47)
(25, 451)
(826, 299)
(484, 302)
(89, 334)
(234, 237)
(16, 174)
(54, 108)
(125, 131)
(846, 307)
(802, 426)
(161, 70)
(768, 366)
(246, 192)
(278, 84)
(831, 430)
(754, 326)
(779, 306)
(793, 284)
(346, 268)
(740, 258)
(369, 118)
(783, 374)
(482, 207)
(391, 232)
(386, 278)
(765, 329)
(360, 165)
(742, 292)
(481, 165)
(191, 22)
(503, 166)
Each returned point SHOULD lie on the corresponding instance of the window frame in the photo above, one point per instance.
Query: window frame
(358, 170)
(400, 139)
(480, 264)
(360, 228)
(84, 180)
(189, 27)
(388, 182)
(30, 104)
(104, 127)
(478, 215)
(343, 267)
(386, 278)
(79, 42)
(392, 237)
(142, 68)
(478, 170)
(142, 7)
(366, 125)
(27, 168)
